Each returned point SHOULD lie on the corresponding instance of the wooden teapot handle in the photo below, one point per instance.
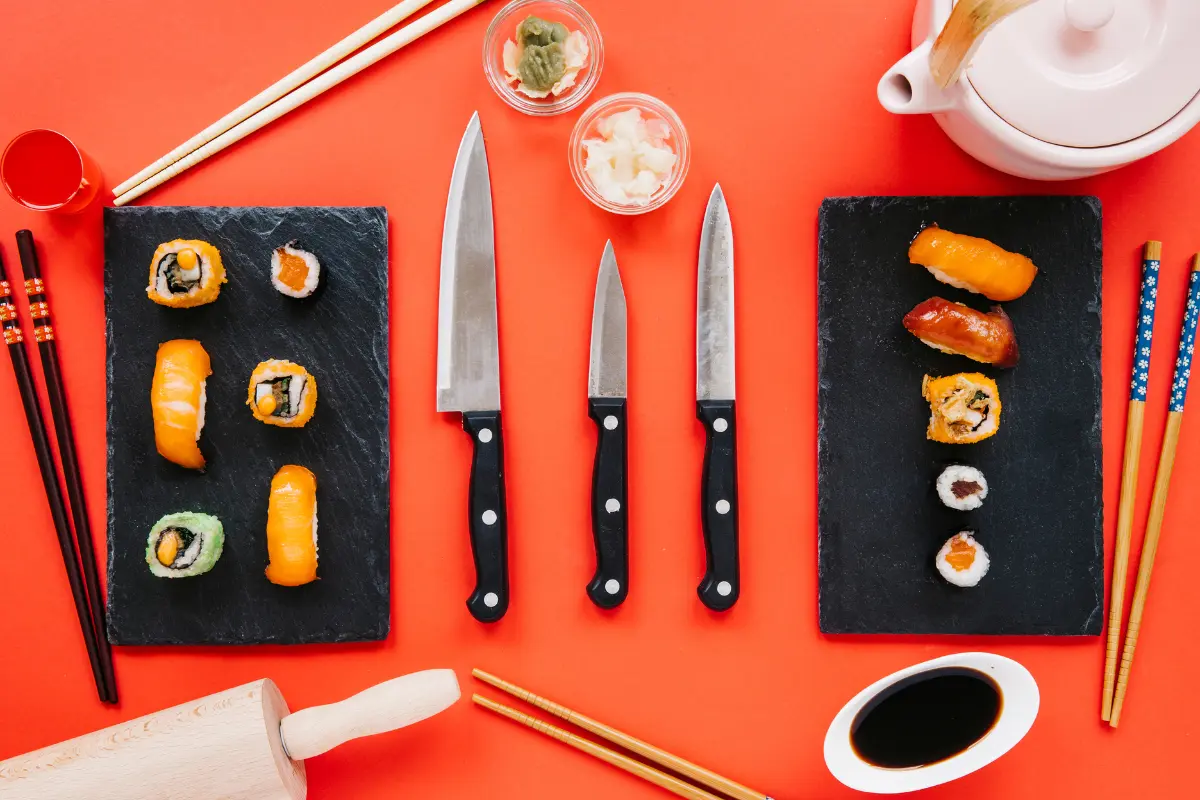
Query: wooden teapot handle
(963, 32)
(386, 707)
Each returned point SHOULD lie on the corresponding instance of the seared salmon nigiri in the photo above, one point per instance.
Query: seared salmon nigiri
(177, 399)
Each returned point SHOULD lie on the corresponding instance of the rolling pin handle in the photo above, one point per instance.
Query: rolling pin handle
(386, 707)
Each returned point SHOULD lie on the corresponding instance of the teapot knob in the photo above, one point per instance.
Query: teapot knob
(1090, 15)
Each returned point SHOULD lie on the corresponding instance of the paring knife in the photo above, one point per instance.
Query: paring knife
(468, 364)
(606, 406)
(715, 392)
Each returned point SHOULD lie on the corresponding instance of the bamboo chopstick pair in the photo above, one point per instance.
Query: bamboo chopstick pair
(80, 563)
(294, 90)
(671, 783)
(1116, 684)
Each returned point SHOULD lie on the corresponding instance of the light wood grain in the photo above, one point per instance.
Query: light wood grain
(647, 773)
(292, 80)
(300, 96)
(1158, 509)
(1129, 482)
(386, 707)
(224, 746)
(963, 32)
(674, 763)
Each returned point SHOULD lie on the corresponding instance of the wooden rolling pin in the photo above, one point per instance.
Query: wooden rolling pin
(241, 744)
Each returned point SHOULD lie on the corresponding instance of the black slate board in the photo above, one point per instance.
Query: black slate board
(880, 520)
(340, 335)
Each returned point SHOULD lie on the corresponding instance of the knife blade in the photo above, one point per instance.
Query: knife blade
(468, 365)
(715, 407)
(606, 406)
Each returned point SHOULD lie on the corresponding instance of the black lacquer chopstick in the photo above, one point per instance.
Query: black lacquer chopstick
(43, 332)
(14, 339)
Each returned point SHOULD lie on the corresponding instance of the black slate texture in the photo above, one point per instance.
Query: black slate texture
(340, 335)
(880, 521)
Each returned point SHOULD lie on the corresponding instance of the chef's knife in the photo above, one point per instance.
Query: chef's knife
(606, 406)
(715, 393)
(468, 364)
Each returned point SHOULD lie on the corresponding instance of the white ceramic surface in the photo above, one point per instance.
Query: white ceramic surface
(1064, 88)
(1021, 700)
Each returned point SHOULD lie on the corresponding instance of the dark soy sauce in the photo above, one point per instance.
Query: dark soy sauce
(926, 718)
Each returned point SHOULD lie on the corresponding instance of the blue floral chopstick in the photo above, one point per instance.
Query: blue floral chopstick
(1187, 340)
(1145, 326)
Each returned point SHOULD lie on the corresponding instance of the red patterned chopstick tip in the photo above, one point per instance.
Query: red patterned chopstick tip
(5, 289)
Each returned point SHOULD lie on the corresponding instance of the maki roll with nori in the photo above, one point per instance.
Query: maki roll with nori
(282, 393)
(962, 488)
(294, 271)
(184, 545)
(962, 561)
(185, 273)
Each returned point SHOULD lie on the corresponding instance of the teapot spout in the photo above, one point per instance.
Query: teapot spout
(908, 87)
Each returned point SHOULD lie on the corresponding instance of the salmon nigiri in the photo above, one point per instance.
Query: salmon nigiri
(177, 398)
(976, 265)
(292, 527)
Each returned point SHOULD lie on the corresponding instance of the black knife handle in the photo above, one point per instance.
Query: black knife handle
(610, 584)
(718, 492)
(489, 516)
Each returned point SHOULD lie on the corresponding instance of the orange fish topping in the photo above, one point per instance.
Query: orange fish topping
(293, 270)
(961, 555)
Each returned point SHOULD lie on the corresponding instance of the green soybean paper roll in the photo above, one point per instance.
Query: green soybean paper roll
(184, 544)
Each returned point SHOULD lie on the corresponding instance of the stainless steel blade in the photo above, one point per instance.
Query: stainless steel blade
(607, 367)
(714, 304)
(468, 365)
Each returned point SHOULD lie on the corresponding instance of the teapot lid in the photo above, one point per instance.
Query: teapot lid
(1091, 73)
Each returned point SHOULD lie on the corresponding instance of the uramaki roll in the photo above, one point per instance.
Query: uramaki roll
(282, 393)
(964, 408)
(185, 273)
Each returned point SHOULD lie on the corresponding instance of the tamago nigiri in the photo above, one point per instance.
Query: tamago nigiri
(292, 527)
(177, 400)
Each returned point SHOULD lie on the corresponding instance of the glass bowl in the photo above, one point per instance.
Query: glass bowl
(504, 28)
(651, 108)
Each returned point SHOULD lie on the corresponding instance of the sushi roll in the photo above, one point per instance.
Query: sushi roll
(184, 545)
(282, 393)
(292, 527)
(185, 273)
(964, 408)
(976, 265)
(177, 401)
(295, 271)
(962, 488)
(962, 561)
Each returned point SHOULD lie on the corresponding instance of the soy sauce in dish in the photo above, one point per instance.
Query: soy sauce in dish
(926, 718)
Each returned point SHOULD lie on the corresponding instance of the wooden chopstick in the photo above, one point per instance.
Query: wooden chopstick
(672, 762)
(14, 339)
(43, 332)
(292, 80)
(1162, 483)
(301, 95)
(963, 32)
(634, 767)
(1151, 259)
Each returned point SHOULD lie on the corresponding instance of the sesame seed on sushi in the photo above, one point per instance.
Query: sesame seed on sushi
(282, 393)
(962, 488)
(295, 271)
(962, 561)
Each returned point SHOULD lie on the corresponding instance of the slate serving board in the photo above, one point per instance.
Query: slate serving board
(879, 518)
(340, 335)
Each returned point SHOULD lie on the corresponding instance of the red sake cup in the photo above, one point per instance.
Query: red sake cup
(45, 171)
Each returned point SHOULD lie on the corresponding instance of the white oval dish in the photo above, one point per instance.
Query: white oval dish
(1019, 708)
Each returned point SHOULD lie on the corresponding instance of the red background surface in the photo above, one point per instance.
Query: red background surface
(779, 103)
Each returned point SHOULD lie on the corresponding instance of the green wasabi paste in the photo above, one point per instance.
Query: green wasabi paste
(542, 61)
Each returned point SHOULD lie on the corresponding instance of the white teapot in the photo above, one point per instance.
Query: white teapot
(1062, 88)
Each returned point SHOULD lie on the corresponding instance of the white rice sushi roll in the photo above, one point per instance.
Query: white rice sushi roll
(962, 488)
(295, 271)
(962, 561)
